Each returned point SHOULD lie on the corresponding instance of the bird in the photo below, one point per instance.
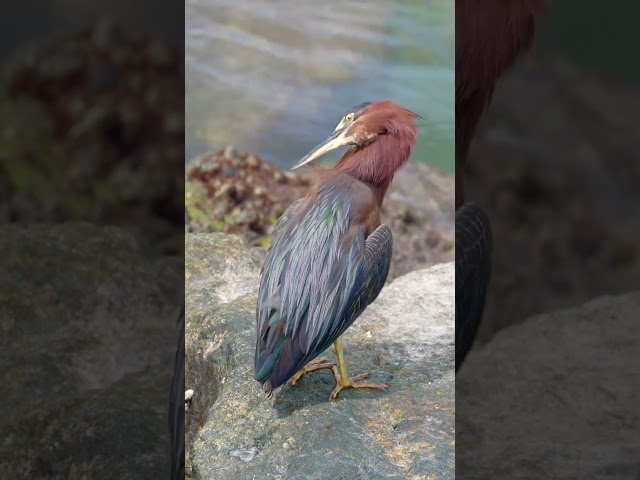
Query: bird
(176, 406)
(329, 255)
(489, 40)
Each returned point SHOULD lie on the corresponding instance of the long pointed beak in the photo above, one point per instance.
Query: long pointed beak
(337, 139)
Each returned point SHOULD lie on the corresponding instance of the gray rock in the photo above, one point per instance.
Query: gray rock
(554, 397)
(405, 339)
(85, 386)
(218, 269)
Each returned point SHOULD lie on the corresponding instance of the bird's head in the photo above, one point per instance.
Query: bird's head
(363, 125)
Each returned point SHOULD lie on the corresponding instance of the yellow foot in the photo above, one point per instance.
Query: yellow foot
(351, 383)
(316, 364)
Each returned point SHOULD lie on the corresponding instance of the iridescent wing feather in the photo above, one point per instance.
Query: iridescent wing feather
(319, 275)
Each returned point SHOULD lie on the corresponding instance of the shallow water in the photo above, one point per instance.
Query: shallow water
(275, 77)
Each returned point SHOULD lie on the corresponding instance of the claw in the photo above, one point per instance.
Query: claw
(317, 364)
(351, 383)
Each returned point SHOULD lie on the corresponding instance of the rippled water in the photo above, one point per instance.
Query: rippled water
(274, 77)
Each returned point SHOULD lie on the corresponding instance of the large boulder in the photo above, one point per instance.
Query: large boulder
(87, 341)
(405, 339)
(554, 397)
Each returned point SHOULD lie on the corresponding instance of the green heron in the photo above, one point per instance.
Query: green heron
(489, 39)
(329, 255)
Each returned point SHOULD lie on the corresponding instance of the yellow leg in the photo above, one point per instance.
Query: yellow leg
(316, 364)
(342, 377)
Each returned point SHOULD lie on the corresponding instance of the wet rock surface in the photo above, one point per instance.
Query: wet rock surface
(85, 384)
(405, 339)
(557, 171)
(554, 397)
(240, 193)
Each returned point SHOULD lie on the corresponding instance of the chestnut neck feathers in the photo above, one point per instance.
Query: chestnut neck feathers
(374, 162)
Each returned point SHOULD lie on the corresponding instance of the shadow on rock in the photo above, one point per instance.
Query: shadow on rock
(404, 339)
(316, 387)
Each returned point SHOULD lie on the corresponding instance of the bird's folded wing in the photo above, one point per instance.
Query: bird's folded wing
(319, 274)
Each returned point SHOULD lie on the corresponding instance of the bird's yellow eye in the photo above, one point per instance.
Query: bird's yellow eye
(348, 118)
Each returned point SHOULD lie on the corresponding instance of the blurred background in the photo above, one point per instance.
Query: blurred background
(593, 36)
(25, 21)
(274, 77)
(91, 235)
(92, 116)
(556, 165)
(548, 389)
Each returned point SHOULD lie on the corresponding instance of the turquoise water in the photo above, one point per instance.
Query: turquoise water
(275, 77)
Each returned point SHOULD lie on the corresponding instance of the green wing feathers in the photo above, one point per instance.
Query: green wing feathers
(320, 273)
